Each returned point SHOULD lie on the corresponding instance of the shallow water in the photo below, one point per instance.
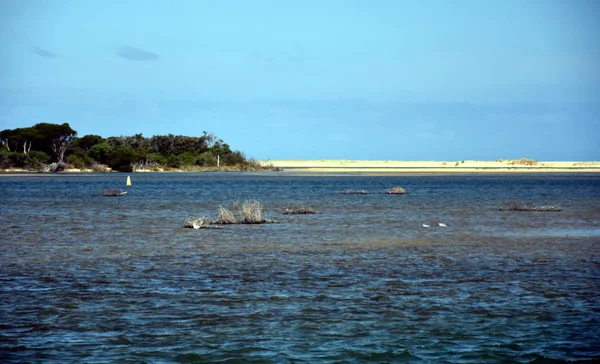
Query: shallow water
(115, 279)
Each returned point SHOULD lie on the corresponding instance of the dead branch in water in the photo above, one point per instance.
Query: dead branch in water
(198, 223)
(113, 193)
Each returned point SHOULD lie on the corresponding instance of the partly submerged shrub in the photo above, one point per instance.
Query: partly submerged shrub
(248, 212)
(523, 206)
(226, 216)
(355, 192)
(252, 212)
(396, 191)
(298, 210)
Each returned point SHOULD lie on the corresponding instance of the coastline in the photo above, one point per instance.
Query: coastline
(435, 167)
(381, 167)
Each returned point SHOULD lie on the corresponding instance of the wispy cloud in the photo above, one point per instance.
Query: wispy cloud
(136, 54)
(42, 52)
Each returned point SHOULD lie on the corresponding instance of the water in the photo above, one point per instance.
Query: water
(96, 279)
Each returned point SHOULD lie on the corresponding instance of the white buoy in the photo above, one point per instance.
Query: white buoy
(425, 225)
(442, 224)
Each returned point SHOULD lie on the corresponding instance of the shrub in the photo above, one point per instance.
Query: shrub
(17, 160)
(206, 159)
(76, 161)
(233, 158)
(249, 212)
(39, 156)
(36, 160)
(226, 216)
(188, 158)
(173, 161)
(252, 212)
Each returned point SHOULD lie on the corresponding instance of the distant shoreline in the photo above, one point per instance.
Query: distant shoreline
(389, 167)
(435, 167)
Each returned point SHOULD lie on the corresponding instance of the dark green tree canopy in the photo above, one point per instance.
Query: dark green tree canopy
(59, 142)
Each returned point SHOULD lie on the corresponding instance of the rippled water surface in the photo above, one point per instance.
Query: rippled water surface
(86, 278)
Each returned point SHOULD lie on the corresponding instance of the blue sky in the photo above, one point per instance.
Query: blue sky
(401, 80)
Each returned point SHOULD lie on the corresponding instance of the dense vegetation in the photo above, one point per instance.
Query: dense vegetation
(35, 147)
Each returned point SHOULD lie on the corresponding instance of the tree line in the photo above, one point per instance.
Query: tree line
(36, 146)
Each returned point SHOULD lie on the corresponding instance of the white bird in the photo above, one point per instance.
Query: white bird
(442, 224)
(425, 225)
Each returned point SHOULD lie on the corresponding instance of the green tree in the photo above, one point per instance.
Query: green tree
(55, 137)
(122, 158)
(86, 142)
(100, 152)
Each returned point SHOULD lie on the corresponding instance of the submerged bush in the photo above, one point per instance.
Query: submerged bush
(298, 210)
(523, 206)
(396, 191)
(355, 192)
(226, 216)
(252, 212)
(248, 212)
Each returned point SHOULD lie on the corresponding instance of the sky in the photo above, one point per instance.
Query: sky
(370, 80)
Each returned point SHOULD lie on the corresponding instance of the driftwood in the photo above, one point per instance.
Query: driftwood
(522, 206)
(396, 191)
(115, 192)
(298, 210)
(198, 223)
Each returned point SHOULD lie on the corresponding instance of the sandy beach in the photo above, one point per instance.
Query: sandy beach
(466, 166)
(395, 167)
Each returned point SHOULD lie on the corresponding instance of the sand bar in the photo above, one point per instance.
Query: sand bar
(467, 166)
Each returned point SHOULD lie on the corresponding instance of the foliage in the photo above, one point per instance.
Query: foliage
(39, 156)
(76, 161)
(87, 142)
(100, 152)
(21, 147)
(122, 158)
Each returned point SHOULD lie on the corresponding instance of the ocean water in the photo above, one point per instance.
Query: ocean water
(92, 279)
